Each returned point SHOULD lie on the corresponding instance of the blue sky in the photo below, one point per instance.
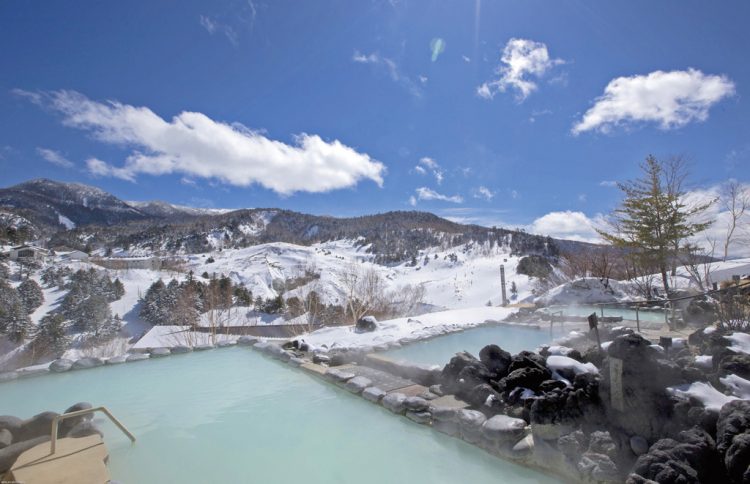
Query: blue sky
(516, 113)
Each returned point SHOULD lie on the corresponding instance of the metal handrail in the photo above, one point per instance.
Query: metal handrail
(78, 413)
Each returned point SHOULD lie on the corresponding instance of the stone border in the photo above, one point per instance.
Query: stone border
(63, 365)
(501, 436)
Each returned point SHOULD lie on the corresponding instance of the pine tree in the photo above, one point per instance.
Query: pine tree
(31, 295)
(52, 333)
(653, 220)
(14, 320)
(118, 289)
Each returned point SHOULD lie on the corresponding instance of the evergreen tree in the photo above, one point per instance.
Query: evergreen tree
(31, 295)
(14, 320)
(151, 307)
(653, 220)
(92, 314)
(118, 289)
(52, 333)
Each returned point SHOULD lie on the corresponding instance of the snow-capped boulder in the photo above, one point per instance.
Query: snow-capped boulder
(366, 324)
(60, 365)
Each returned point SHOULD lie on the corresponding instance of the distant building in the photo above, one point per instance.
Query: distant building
(27, 252)
(74, 255)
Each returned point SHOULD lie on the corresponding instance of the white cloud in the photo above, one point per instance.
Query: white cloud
(466, 59)
(568, 225)
(54, 157)
(213, 26)
(670, 99)
(424, 193)
(523, 61)
(194, 145)
(428, 164)
(514, 194)
(101, 168)
(484, 193)
(582, 197)
(413, 201)
(608, 183)
(392, 69)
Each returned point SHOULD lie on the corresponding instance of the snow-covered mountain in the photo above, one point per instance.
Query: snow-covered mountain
(52, 205)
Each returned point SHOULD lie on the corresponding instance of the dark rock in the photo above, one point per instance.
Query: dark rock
(84, 429)
(691, 458)
(737, 459)
(530, 378)
(598, 467)
(366, 324)
(456, 364)
(549, 385)
(6, 438)
(527, 359)
(321, 359)
(737, 364)
(478, 395)
(9, 454)
(734, 419)
(37, 426)
(495, 359)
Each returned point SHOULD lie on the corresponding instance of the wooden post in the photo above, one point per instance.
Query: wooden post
(637, 319)
(594, 324)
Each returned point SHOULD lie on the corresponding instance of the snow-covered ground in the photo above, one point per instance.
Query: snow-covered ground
(461, 277)
(394, 330)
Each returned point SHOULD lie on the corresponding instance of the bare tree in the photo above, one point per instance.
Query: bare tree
(364, 290)
(736, 200)
(698, 262)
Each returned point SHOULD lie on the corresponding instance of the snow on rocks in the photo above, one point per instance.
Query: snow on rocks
(61, 365)
(710, 397)
(88, 362)
(740, 342)
(562, 364)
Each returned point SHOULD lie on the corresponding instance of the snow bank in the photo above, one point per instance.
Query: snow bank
(704, 361)
(169, 336)
(561, 363)
(419, 327)
(588, 290)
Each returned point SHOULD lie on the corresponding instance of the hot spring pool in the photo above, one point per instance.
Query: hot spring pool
(648, 316)
(231, 415)
(438, 351)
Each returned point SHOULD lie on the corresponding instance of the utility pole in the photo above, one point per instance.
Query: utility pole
(502, 284)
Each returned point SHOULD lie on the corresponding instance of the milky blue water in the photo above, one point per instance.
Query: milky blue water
(234, 416)
(626, 313)
(438, 351)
